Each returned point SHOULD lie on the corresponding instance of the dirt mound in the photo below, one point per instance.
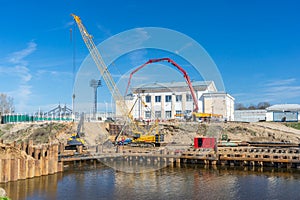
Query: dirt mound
(95, 133)
(183, 132)
(40, 132)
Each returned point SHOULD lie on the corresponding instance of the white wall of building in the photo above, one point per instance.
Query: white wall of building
(219, 103)
(250, 115)
(181, 101)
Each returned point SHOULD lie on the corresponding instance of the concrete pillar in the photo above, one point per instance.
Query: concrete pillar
(15, 169)
(30, 147)
(31, 168)
(60, 166)
(37, 166)
(51, 160)
(6, 170)
(55, 155)
(45, 166)
(23, 168)
(61, 148)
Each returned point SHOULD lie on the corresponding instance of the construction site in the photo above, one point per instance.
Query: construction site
(179, 122)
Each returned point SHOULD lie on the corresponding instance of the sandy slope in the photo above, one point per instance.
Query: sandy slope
(175, 132)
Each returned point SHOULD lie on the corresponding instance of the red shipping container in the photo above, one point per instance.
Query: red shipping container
(203, 142)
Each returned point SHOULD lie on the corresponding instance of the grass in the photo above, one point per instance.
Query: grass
(4, 198)
(295, 125)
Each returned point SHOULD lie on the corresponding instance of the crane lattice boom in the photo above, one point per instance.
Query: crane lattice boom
(114, 90)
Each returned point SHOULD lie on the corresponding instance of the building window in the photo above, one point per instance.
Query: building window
(148, 99)
(168, 114)
(189, 97)
(157, 114)
(168, 98)
(178, 112)
(187, 111)
(178, 98)
(157, 98)
(147, 114)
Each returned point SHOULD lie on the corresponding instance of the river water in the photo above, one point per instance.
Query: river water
(98, 181)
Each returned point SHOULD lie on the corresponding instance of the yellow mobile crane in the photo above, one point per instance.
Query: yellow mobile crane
(119, 99)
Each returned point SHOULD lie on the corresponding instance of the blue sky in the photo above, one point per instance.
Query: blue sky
(255, 44)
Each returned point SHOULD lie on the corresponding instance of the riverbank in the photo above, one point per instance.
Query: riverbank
(24, 159)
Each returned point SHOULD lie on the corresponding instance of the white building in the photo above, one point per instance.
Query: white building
(168, 100)
(250, 115)
(283, 112)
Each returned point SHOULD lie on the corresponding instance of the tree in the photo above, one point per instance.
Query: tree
(6, 104)
(240, 106)
(251, 107)
(260, 105)
(263, 105)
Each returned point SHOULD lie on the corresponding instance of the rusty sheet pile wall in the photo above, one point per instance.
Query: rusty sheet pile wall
(22, 161)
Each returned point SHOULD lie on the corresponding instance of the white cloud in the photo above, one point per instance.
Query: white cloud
(19, 71)
(280, 82)
(18, 56)
(274, 91)
(41, 73)
(283, 90)
(17, 67)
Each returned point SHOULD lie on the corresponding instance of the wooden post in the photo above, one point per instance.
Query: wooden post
(31, 168)
(6, 170)
(23, 168)
(15, 168)
(38, 166)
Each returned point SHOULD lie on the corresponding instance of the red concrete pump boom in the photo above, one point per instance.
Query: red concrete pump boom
(187, 78)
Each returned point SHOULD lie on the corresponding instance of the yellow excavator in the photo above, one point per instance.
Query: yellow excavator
(75, 139)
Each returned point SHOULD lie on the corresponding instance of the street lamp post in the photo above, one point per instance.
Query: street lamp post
(95, 84)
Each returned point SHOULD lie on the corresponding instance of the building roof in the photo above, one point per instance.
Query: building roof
(284, 107)
(172, 86)
(217, 94)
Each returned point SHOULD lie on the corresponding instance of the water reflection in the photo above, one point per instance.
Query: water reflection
(184, 182)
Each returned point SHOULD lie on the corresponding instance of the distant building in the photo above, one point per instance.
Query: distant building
(170, 100)
(276, 113)
(283, 112)
(250, 115)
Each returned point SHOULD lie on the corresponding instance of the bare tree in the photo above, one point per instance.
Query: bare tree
(251, 107)
(240, 106)
(263, 105)
(260, 105)
(6, 104)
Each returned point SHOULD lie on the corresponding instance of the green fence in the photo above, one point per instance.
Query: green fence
(6, 119)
